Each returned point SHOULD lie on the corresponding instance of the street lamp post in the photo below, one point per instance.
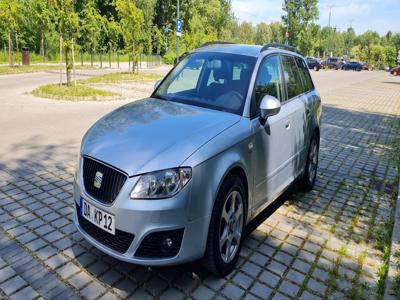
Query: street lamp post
(177, 36)
(288, 25)
(329, 26)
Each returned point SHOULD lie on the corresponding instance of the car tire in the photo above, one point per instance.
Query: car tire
(218, 259)
(307, 179)
(316, 68)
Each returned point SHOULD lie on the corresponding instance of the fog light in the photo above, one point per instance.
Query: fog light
(167, 243)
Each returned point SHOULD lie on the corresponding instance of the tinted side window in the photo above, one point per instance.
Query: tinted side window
(292, 77)
(305, 75)
(269, 80)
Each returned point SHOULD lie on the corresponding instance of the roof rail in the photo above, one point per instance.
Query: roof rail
(280, 46)
(215, 43)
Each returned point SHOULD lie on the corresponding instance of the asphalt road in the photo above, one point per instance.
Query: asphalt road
(28, 122)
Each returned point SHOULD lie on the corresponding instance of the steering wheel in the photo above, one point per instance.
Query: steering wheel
(231, 99)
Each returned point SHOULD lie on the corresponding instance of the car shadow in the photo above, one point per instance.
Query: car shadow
(392, 82)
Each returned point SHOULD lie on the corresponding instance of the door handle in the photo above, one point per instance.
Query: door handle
(287, 124)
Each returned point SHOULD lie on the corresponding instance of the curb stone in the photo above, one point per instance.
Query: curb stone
(394, 247)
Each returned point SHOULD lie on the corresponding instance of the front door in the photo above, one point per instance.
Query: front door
(272, 141)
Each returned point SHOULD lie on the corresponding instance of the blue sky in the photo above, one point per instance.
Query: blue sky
(377, 15)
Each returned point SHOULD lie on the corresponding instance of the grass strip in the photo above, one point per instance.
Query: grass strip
(73, 93)
(26, 69)
(118, 77)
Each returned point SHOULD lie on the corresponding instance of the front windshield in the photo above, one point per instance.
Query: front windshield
(214, 80)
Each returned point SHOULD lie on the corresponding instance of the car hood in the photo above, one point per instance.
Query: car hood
(153, 134)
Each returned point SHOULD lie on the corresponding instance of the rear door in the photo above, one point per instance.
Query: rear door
(295, 105)
(311, 102)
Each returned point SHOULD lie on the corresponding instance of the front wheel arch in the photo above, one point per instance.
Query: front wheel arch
(212, 258)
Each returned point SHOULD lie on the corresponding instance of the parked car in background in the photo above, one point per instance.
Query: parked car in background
(365, 66)
(176, 177)
(395, 71)
(332, 63)
(352, 65)
(312, 63)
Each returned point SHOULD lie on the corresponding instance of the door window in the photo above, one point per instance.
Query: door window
(305, 75)
(292, 77)
(269, 81)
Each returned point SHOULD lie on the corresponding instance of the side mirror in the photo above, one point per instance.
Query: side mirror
(269, 106)
(157, 84)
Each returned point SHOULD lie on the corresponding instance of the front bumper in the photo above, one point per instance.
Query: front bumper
(143, 217)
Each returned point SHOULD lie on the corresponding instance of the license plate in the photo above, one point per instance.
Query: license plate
(97, 216)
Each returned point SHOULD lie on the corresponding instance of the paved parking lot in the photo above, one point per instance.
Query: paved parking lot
(318, 245)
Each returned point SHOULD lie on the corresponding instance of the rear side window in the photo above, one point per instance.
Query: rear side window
(269, 80)
(292, 77)
(305, 75)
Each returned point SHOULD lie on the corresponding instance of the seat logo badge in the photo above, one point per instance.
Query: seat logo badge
(98, 179)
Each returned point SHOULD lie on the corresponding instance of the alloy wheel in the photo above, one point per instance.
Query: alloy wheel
(313, 160)
(231, 226)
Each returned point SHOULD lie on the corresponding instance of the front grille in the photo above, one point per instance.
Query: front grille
(153, 245)
(109, 185)
(119, 242)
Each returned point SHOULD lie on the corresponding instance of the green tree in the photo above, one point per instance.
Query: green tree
(277, 31)
(147, 7)
(300, 14)
(68, 24)
(157, 40)
(131, 22)
(9, 22)
(263, 34)
(246, 33)
(91, 23)
(349, 38)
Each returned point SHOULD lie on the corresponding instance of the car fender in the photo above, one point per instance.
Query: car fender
(217, 158)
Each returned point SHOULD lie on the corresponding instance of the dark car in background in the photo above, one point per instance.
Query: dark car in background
(332, 63)
(365, 66)
(395, 71)
(312, 63)
(352, 65)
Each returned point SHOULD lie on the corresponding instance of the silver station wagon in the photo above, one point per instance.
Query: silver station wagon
(177, 177)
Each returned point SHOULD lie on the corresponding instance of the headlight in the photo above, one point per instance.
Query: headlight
(161, 184)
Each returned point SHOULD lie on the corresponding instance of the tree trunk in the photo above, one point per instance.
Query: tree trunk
(42, 45)
(16, 39)
(10, 50)
(68, 68)
(73, 62)
(133, 57)
(60, 59)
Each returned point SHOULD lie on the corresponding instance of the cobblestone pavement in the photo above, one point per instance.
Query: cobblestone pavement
(308, 246)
